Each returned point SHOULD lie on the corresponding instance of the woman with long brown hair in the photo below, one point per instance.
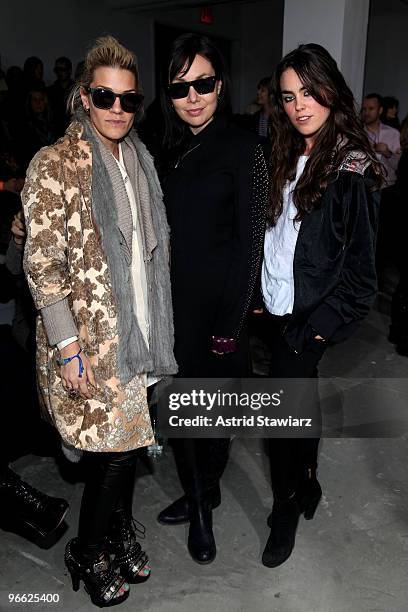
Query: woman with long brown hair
(96, 260)
(318, 274)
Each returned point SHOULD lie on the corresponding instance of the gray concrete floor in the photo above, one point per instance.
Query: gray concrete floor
(353, 557)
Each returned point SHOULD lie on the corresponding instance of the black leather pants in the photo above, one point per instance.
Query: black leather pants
(108, 487)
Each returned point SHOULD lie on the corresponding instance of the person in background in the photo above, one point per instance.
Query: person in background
(12, 107)
(58, 94)
(389, 115)
(23, 508)
(96, 260)
(318, 273)
(259, 121)
(262, 118)
(33, 74)
(79, 70)
(215, 195)
(38, 130)
(385, 141)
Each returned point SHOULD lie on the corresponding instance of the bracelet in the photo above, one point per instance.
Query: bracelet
(61, 361)
(223, 345)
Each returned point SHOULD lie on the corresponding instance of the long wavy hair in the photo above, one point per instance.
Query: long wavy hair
(182, 54)
(341, 134)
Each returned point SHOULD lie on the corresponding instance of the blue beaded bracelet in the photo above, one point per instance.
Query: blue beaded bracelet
(61, 361)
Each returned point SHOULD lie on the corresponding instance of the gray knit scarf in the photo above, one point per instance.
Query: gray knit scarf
(108, 196)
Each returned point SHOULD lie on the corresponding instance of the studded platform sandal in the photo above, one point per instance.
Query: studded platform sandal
(102, 582)
(130, 559)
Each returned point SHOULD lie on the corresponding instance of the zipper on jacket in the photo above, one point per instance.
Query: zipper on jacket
(285, 327)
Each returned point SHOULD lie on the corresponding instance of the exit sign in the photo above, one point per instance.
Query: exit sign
(206, 15)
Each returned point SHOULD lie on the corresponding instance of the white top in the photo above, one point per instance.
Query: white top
(137, 267)
(279, 249)
(138, 270)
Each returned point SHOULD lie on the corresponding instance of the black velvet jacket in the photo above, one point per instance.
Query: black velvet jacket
(334, 263)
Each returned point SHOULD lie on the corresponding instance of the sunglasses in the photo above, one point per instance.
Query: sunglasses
(102, 97)
(201, 86)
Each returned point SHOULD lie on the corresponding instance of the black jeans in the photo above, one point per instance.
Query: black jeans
(108, 487)
(290, 457)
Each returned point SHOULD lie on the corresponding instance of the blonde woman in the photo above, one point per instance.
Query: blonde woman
(97, 265)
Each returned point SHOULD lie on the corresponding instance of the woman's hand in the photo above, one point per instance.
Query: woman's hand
(71, 381)
(18, 229)
(383, 148)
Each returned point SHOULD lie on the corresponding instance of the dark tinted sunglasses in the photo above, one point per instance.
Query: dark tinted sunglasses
(202, 86)
(105, 98)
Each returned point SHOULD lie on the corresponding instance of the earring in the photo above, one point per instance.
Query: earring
(86, 109)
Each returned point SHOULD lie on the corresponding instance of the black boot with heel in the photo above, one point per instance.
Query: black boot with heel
(21, 505)
(284, 518)
(309, 493)
(283, 522)
(201, 542)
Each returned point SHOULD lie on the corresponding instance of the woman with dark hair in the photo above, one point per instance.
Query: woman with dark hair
(389, 115)
(39, 128)
(33, 73)
(318, 273)
(215, 196)
(96, 260)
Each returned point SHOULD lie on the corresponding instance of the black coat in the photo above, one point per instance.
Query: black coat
(215, 200)
(334, 263)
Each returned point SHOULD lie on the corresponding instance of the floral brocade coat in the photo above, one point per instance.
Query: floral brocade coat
(63, 259)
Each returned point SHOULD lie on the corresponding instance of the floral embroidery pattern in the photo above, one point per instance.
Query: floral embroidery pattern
(63, 259)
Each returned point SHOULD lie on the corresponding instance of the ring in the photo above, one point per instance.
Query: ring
(73, 393)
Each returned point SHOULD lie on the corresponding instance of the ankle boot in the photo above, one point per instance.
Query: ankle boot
(309, 492)
(178, 512)
(283, 522)
(201, 542)
(23, 505)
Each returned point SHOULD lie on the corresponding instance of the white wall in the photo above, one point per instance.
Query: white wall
(339, 25)
(387, 56)
(50, 28)
(356, 18)
(317, 21)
